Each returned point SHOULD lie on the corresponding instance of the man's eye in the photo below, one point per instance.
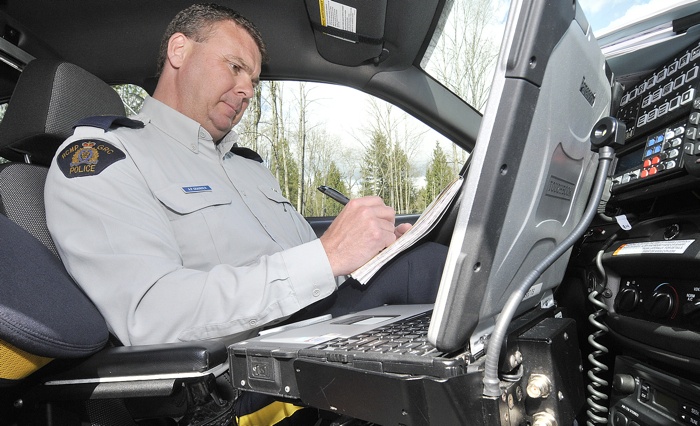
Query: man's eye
(235, 67)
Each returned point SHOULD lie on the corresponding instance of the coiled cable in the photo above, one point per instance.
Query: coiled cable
(597, 401)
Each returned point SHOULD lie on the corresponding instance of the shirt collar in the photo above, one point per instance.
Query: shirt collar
(183, 129)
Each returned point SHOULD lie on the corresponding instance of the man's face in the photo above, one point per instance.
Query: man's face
(217, 78)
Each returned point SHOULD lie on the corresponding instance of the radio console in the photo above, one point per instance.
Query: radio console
(662, 116)
(646, 396)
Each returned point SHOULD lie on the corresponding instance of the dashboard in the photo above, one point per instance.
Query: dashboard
(647, 251)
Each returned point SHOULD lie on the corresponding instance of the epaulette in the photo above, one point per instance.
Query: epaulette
(246, 153)
(106, 122)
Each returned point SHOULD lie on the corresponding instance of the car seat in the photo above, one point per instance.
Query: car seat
(56, 365)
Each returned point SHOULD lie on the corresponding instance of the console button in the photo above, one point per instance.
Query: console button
(687, 96)
(694, 117)
(624, 383)
(619, 419)
(644, 392)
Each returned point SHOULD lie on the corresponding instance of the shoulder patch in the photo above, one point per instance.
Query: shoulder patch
(87, 157)
(106, 122)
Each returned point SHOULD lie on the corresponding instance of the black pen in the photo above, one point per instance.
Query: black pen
(334, 194)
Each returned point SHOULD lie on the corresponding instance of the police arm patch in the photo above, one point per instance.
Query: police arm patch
(87, 157)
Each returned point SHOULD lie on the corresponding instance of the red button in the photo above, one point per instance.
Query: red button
(655, 160)
(647, 163)
(644, 173)
(652, 171)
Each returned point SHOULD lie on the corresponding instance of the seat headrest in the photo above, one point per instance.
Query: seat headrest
(49, 98)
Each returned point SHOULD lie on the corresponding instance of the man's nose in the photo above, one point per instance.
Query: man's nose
(245, 88)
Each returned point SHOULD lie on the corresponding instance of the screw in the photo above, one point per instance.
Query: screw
(287, 389)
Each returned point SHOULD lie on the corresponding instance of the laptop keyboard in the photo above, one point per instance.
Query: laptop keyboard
(405, 337)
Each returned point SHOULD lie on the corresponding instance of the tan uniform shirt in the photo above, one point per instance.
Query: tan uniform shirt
(180, 239)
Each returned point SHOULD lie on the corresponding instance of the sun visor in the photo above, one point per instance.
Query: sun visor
(348, 32)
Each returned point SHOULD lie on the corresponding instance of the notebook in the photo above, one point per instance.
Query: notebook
(528, 182)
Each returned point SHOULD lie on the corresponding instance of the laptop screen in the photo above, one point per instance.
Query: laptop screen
(531, 170)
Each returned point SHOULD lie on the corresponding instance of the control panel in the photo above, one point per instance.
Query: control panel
(662, 115)
(645, 396)
(671, 302)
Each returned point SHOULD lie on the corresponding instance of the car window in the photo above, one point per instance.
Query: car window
(462, 54)
(312, 134)
(132, 96)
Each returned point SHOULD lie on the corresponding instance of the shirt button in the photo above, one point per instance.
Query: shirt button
(253, 322)
(316, 292)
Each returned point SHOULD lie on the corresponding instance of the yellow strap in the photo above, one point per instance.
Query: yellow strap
(269, 415)
(16, 364)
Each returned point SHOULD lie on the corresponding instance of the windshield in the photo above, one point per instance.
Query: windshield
(462, 55)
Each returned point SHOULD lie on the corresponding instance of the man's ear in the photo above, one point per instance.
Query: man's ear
(177, 49)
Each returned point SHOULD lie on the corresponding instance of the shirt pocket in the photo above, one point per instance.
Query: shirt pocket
(180, 202)
(282, 219)
(194, 218)
(274, 195)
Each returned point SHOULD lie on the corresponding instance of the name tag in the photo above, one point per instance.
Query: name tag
(195, 189)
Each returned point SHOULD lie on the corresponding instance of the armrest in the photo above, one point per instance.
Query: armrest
(135, 371)
(186, 358)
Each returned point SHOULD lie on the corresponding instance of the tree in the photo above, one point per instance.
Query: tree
(289, 177)
(401, 180)
(375, 167)
(400, 145)
(333, 178)
(438, 174)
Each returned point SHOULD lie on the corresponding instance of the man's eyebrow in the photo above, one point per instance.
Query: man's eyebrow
(238, 61)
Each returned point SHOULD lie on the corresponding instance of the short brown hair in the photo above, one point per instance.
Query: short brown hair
(196, 22)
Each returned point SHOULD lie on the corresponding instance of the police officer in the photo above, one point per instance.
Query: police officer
(177, 234)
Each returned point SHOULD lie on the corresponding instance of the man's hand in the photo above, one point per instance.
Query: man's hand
(364, 228)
